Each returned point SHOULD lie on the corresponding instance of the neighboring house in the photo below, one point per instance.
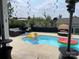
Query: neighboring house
(75, 23)
(21, 18)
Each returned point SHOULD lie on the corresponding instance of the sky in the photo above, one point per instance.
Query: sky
(37, 8)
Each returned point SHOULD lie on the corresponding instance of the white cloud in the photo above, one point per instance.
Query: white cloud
(45, 4)
(48, 5)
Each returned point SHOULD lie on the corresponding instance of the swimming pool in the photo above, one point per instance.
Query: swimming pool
(49, 40)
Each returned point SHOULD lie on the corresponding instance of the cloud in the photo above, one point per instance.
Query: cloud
(44, 5)
(38, 7)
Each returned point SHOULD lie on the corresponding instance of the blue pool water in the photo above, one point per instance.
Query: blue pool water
(49, 40)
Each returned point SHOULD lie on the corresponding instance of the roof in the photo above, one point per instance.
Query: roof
(63, 21)
(75, 21)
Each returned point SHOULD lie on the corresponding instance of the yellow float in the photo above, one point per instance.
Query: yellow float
(32, 35)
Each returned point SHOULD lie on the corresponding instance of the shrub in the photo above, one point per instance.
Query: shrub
(16, 23)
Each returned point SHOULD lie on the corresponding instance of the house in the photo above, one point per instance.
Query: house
(20, 18)
(75, 23)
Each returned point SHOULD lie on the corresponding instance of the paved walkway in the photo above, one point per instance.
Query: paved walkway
(22, 50)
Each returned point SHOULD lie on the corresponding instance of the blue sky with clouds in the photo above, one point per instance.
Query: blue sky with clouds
(52, 7)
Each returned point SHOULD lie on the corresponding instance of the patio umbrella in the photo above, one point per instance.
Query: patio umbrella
(63, 26)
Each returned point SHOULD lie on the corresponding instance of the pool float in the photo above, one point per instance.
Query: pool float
(32, 35)
(65, 41)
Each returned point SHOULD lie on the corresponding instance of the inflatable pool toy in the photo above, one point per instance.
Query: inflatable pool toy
(32, 35)
(65, 41)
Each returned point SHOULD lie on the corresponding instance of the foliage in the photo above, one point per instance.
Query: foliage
(48, 18)
(10, 10)
(41, 22)
(35, 21)
(13, 23)
(54, 22)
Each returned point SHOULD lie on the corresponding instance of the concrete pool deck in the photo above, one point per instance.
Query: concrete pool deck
(22, 50)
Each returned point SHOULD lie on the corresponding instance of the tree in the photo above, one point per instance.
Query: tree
(48, 18)
(10, 10)
(54, 22)
(45, 14)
